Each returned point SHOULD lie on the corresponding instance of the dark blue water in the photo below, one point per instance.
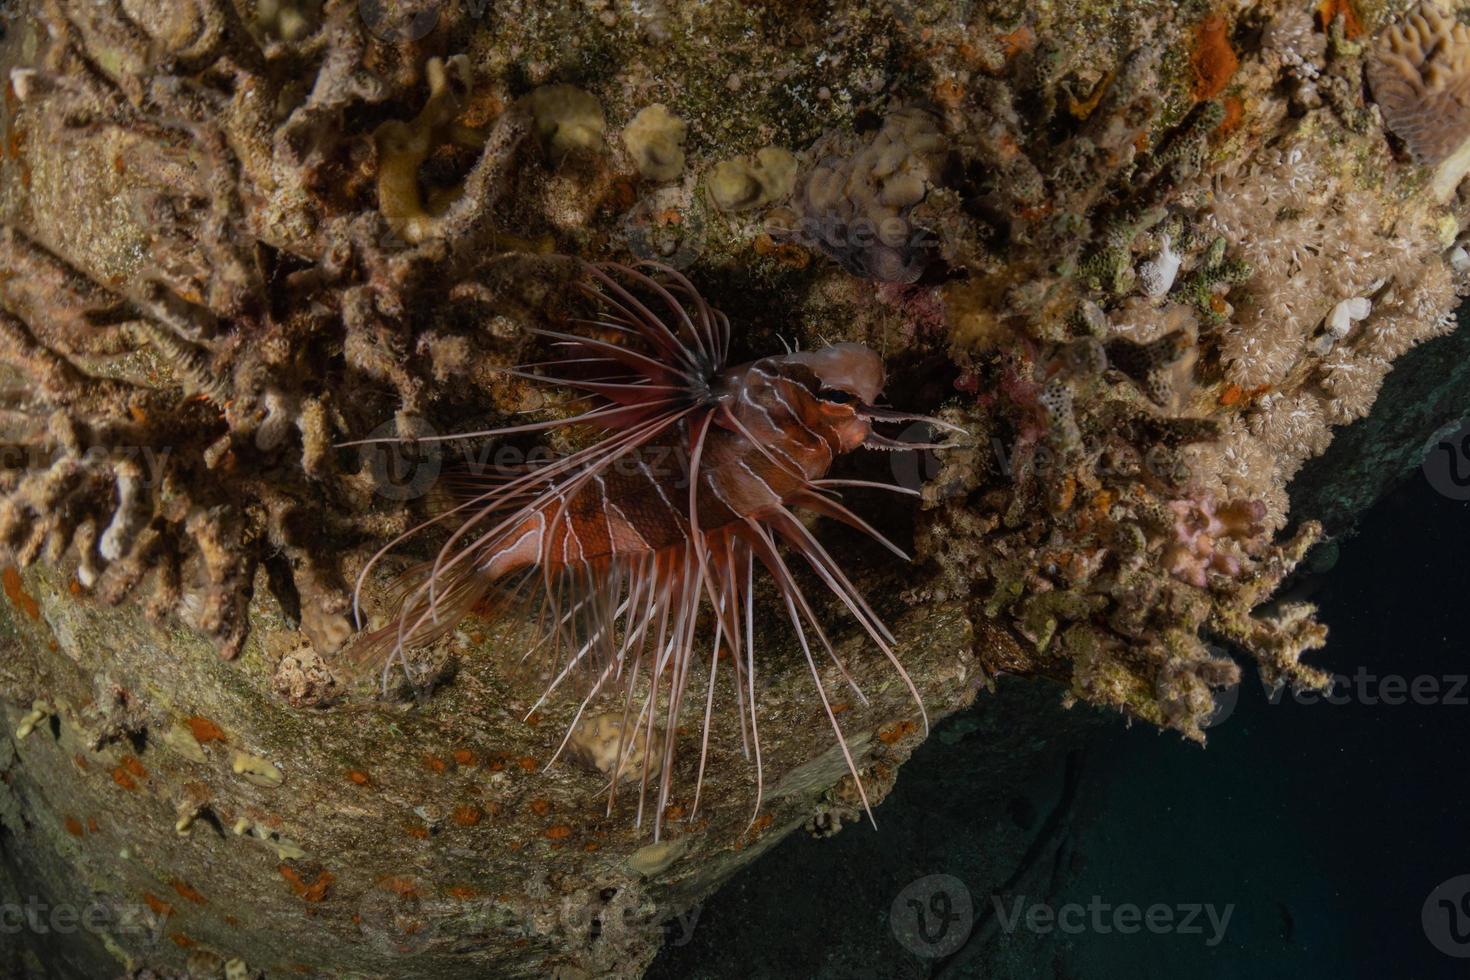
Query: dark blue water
(1327, 824)
(1314, 832)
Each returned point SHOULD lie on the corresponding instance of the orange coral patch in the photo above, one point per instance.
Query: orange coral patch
(399, 885)
(1082, 108)
(186, 891)
(92, 827)
(205, 730)
(1329, 10)
(785, 253)
(540, 807)
(464, 757)
(313, 891)
(133, 766)
(462, 892)
(892, 733)
(180, 940)
(1021, 39)
(948, 92)
(417, 831)
(1212, 59)
(121, 777)
(359, 777)
(559, 832)
(159, 906)
(15, 591)
(467, 816)
(435, 764)
(1235, 395)
(527, 763)
(73, 826)
(1234, 114)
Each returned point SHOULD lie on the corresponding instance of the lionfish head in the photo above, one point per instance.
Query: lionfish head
(848, 380)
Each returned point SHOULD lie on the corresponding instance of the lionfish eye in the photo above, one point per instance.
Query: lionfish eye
(838, 395)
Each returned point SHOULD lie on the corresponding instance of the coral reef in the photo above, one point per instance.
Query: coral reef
(1148, 255)
(1247, 277)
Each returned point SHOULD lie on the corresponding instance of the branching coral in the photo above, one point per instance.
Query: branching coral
(160, 415)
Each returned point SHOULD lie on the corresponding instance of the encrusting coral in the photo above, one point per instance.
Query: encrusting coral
(655, 140)
(743, 184)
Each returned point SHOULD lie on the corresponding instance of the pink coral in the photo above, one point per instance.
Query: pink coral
(1199, 528)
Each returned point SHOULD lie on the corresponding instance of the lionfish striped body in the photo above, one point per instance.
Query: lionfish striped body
(691, 487)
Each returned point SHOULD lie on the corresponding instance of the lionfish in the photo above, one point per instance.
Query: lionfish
(624, 549)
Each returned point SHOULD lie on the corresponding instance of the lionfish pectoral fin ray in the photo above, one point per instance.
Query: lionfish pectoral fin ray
(869, 484)
(828, 570)
(831, 508)
(889, 415)
(584, 464)
(875, 441)
(827, 706)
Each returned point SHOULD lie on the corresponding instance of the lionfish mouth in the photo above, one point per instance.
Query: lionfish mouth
(618, 555)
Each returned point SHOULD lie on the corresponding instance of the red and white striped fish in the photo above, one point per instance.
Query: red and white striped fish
(624, 548)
